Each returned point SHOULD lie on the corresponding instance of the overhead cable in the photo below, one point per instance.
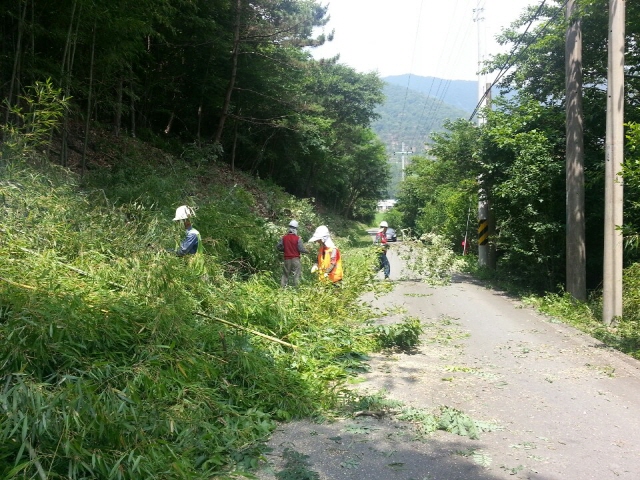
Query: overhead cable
(507, 64)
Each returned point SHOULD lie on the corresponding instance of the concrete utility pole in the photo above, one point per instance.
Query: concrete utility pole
(485, 259)
(403, 153)
(486, 220)
(477, 12)
(576, 269)
(613, 190)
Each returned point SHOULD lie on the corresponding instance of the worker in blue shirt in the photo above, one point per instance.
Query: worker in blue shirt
(192, 242)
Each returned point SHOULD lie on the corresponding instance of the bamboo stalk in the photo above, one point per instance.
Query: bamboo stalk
(255, 332)
(17, 284)
(70, 267)
(226, 322)
(34, 458)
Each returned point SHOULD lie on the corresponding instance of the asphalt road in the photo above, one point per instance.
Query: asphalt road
(558, 404)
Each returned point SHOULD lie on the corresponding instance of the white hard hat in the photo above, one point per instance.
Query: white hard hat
(384, 224)
(320, 234)
(293, 224)
(183, 212)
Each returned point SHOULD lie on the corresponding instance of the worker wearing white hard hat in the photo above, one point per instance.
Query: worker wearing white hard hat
(192, 242)
(381, 240)
(329, 264)
(291, 246)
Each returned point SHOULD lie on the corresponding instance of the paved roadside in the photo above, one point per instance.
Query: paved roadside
(558, 404)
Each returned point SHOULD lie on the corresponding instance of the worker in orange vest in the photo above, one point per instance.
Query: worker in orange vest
(329, 266)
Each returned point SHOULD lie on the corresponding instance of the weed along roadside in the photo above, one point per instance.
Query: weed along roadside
(492, 391)
(119, 357)
(122, 361)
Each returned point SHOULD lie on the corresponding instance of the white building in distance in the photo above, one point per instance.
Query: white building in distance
(386, 205)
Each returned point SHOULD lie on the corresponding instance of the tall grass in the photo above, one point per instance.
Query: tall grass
(114, 362)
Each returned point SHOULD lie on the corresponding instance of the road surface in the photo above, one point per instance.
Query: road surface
(558, 404)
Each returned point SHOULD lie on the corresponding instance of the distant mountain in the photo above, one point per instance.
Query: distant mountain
(408, 117)
(462, 94)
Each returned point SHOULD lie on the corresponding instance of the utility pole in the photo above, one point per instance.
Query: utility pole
(486, 219)
(613, 190)
(403, 153)
(477, 12)
(575, 266)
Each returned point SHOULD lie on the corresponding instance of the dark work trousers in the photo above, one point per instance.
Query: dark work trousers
(384, 264)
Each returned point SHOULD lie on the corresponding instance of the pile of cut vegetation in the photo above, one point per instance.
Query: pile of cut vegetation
(120, 360)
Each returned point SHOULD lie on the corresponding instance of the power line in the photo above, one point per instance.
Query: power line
(506, 66)
(436, 101)
(413, 54)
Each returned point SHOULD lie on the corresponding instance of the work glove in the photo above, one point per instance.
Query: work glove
(314, 269)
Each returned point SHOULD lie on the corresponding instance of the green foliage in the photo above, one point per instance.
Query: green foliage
(393, 217)
(624, 335)
(34, 119)
(110, 370)
(412, 111)
(404, 335)
(432, 258)
(527, 191)
(517, 155)
(179, 73)
(454, 421)
(376, 402)
(448, 419)
(296, 467)
(437, 193)
(631, 175)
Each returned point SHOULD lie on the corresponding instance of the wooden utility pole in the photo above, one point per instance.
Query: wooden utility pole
(613, 190)
(576, 269)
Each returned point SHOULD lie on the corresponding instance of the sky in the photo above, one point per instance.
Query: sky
(436, 38)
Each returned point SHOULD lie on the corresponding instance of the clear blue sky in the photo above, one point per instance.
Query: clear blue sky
(423, 37)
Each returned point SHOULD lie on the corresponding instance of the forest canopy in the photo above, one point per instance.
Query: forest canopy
(232, 79)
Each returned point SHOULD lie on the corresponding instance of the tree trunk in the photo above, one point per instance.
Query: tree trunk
(16, 65)
(234, 69)
(117, 121)
(233, 150)
(65, 79)
(89, 99)
(258, 160)
(132, 104)
(199, 142)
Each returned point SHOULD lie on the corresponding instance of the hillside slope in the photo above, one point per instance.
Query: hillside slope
(122, 360)
(408, 117)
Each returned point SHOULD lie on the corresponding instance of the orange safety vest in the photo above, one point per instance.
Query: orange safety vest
(324, 262)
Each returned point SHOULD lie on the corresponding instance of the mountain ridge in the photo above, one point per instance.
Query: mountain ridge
(462, 94)
(409, 116)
